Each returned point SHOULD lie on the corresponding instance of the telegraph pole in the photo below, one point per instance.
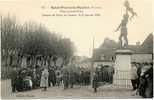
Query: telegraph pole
(92, 60)
(1, 41)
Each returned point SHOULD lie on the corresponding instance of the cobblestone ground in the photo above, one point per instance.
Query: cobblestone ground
(107, 91)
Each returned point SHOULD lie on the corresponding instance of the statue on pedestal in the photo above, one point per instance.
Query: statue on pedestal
(123, 25)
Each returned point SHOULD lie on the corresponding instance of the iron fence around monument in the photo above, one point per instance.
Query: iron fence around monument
(122, 79)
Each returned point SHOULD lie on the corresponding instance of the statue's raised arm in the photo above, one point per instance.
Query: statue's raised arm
(117, 29)
(130, 9)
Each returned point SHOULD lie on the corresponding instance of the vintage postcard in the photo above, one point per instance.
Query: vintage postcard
(76, 49)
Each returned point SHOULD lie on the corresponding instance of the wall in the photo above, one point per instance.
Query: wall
(96, 64)
(141, 57)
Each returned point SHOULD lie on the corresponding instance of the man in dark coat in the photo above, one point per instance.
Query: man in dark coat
(21, 76)
(146, 82)
(66, 79)
(139, 66)
(111, 72)
(52, 77)
(34, 79)
(82, 77)
(71, 79)
(14, 75)
(149, 85)
(38, 75)
(95, 81)
(105, 74)
(87, 77)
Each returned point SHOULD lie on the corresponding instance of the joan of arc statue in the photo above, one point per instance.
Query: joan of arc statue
(123, 25)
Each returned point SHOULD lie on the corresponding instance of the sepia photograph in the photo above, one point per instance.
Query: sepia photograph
(76, 49)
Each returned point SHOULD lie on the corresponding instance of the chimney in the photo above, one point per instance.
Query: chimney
(138, 43)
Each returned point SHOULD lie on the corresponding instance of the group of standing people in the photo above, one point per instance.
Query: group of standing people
(68, 76)
(31, 78)
(71, 77)
(46, 76)
(142, 79)
(42, 76)
(103, 74)
(23, 79)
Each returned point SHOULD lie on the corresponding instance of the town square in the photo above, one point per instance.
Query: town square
(76, 50)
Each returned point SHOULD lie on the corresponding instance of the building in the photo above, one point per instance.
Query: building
(105, 54)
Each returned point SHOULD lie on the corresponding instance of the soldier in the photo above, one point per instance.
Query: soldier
(71, 78)
(14, 75)
(95, 82)
(52, 77)
(82, 77)
(70, 69)
(111, 72)
(87, 77)
(139, 66)
(34, 78)
(149, 79)
(134, 76)
(58, 77)
(146, 81)
(38, 75)
(65, 79)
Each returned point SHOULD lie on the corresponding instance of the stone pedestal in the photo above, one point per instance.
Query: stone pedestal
(122, 68)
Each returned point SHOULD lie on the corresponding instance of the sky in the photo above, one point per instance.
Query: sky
(82, 29)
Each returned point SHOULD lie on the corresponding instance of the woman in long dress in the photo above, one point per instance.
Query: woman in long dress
(44, 79)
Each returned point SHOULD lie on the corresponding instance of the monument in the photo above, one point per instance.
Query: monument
(123, 55)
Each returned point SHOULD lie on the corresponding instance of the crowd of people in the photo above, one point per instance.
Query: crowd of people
(103, 74)
(142, 79)
(28, 78)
